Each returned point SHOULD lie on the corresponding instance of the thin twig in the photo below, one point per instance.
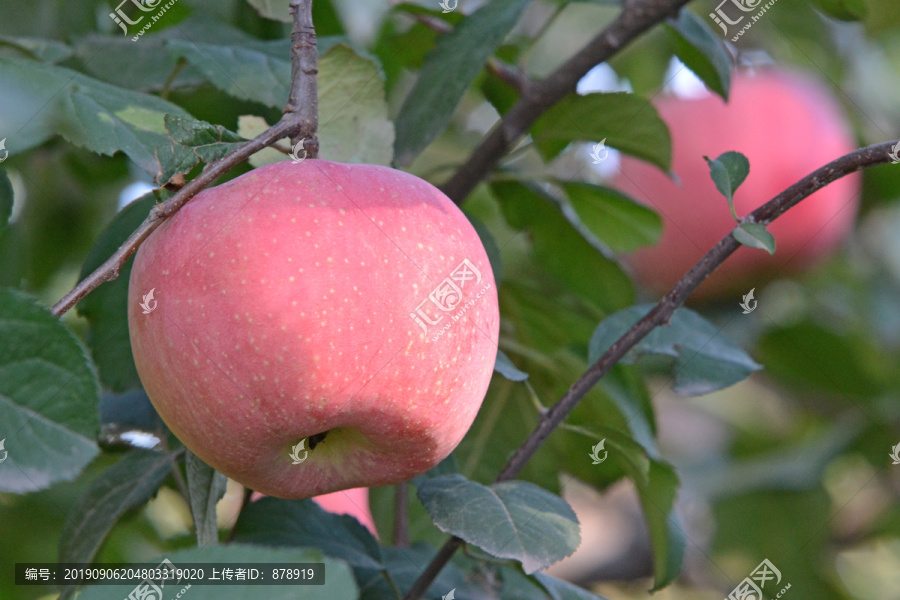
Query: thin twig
(109, 270)
(300, 120)
(637, 17)
(660, 315)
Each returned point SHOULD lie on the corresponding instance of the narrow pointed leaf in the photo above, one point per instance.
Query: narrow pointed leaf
(448, 72)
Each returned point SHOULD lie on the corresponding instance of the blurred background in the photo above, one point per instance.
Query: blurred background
(791, 465)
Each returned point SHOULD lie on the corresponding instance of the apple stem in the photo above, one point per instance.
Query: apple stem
(302, 107)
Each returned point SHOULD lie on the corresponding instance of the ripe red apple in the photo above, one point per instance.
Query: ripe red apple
(316, 327)
(787, 125)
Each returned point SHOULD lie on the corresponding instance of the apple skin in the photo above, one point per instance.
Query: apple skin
(787, 125)
(285, 304)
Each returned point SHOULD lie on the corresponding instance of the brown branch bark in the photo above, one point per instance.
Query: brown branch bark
(637, 17)
(303, 102)
(660, 315)
(300, 120)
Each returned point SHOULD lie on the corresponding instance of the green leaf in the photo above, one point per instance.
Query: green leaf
(561, 250)
(190, 143)
(48, 397)
(339, 581)
(6, 200)
(629, 453)
(702, 51)
(704, 360)
(512, 519)
(106, 308)
(505, 367)
(755, 235)
(728, 172)
(620, 222)
(206, 486)
(126, 485)
(276, 10)
(809, 355)
(490, 246)
(448, 72)
(46, 50)
(276, 522)
(353, 114)
(845, 10)
(100, 117)
(447, 466)
(563, 590)
(258, 71)
(666, 531)
(628, 122)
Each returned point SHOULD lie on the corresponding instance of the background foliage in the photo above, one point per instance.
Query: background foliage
(790, 464)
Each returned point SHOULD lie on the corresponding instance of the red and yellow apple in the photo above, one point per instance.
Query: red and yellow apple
(787, 125)
(316, 327)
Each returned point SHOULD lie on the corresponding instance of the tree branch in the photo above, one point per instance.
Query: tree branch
(637, 17)
(303, 102)
(660, 314)
(300, 120)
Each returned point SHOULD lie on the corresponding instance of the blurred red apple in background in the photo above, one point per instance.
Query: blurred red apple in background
(787, 125)
(316, 326)
(353, 502)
